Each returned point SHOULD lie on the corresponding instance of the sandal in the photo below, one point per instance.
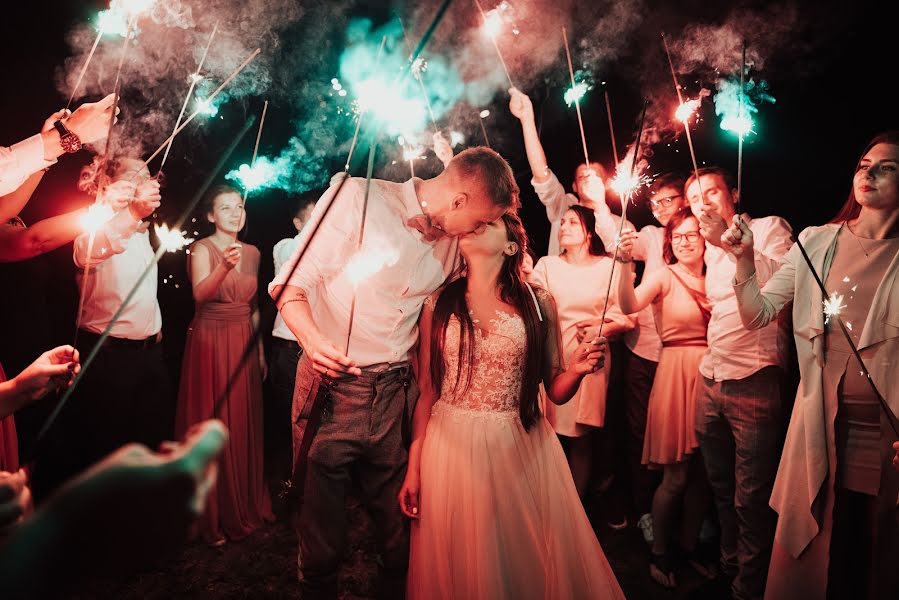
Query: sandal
(661, 569)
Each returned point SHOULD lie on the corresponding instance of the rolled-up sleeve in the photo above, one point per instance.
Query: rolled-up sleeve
(21, 160)
(334, 242)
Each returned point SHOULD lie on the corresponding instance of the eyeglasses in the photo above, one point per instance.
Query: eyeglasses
(666, 201)
(690, 236)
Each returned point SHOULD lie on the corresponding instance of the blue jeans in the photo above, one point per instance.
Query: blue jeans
(739, 424)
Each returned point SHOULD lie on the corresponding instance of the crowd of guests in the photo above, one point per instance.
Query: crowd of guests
(475, 397)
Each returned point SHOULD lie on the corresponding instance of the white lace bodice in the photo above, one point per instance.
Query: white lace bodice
(499, 363)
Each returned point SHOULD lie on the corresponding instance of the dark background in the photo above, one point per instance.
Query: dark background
(833, 94)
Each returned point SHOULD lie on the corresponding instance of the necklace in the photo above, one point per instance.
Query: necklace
(860, 245)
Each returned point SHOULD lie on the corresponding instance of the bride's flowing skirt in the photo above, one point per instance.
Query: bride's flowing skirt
(500, 516)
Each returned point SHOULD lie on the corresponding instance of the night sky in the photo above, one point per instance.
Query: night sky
(833, 89)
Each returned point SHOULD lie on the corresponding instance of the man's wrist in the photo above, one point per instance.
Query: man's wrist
(52, 145)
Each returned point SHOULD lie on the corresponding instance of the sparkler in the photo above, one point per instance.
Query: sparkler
(418, 67)
(682, 111)
(96, 216)
(363, 110)
(492, 27)
(193, 82)
(84, 67)
(605, 91)
(605, 305)
(577, 105)
(481, 116)
(740, 133)
(832, 307)
(194, 114)
(172, 239)
(256, 146)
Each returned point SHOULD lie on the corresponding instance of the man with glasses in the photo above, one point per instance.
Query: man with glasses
(739, 418)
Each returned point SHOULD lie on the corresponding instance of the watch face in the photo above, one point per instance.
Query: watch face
(70, 142)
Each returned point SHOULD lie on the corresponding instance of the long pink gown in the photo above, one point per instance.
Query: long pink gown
(500, 516)
(215, 342)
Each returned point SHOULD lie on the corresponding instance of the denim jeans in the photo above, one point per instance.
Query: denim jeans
(739, 424)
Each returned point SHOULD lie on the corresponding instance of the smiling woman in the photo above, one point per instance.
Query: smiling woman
(838, 525)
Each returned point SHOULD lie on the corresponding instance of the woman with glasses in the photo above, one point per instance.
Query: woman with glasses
(677, 296)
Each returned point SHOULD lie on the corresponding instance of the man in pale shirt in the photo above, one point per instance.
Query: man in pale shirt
(739, 405)
(666, 197)
(89, 123)
(125, 395)
(285, 355)
(409, 250)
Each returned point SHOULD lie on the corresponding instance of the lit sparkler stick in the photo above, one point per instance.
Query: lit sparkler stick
(172, 239)
(417, 67)
(481, 116)
(577, 104)
(363, 111)
(194, 114)
(191, 206)
(605, 91)
(832, 308)
(115, 88)
(492, 26)
(740, 134)
(97, 214)
(190, 92)
(605, 305)
(84, 66)
(246, 190)
(682, 111)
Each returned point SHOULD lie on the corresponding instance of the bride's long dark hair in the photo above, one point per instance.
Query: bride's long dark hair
(512, 290)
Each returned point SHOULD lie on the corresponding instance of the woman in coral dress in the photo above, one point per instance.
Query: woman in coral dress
(214, 384)
(681, 310)
(494, 508)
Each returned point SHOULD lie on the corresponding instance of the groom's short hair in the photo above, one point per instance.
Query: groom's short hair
(490, 173)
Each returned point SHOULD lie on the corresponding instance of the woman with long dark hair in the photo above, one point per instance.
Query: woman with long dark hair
(578, 279)
(496, 514)
(835, 493)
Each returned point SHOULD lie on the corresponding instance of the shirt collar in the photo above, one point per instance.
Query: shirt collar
(411, 202)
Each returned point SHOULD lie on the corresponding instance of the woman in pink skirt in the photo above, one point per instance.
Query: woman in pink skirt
(214, 383)
(681, 311)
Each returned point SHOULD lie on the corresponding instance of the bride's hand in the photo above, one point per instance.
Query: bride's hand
(589, 356)
(409, 494)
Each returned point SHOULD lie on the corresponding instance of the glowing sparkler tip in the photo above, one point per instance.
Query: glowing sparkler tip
(484, 113)
(493, 23)
(206, 107)
(627, 185)
(576, 92)
(172, 240)
(686, 110)
(97, 215)
(833, 306)
(741, 126)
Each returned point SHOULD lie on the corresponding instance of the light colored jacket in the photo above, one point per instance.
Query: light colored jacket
(804, 463)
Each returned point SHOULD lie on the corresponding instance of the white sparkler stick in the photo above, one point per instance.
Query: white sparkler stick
(190, 92)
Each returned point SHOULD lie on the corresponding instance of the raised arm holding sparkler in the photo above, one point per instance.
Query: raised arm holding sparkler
(588, 186)
(848, 397)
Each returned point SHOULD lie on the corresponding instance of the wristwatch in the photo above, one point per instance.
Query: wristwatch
(68, 140)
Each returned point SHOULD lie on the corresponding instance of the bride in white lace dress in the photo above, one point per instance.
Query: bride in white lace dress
(494, 508)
